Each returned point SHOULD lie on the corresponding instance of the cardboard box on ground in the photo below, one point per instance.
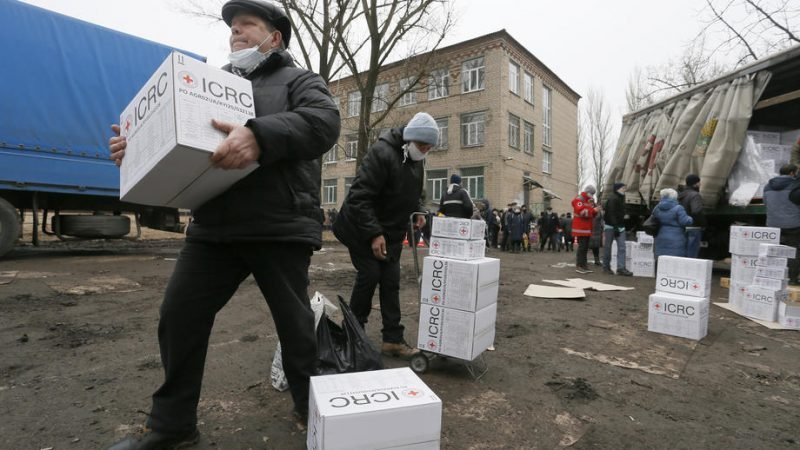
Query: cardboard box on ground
(679, 307)
(382, 409)
(170, 136)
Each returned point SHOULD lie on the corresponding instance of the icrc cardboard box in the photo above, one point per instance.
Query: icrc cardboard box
(170, 137)
(457, 248)
(684, 276)
(456, 333)
(465, 285)
(456, 228)
(381, 409)
(736, 293)
(744, 241)
(761, 303)
(678, 315)
(743, 268)
(789, 315)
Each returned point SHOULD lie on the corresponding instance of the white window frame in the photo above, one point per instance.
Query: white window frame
(547, 161)
(337, 101)
(474, 184)
(440, 84)
(330, 156)
(473, 129)
(528, 82)
(473, 75)
(513, 77)
(350, 147)
(380, 98)
(528, 131)
(353, 103)
(443, 140)
(547, 116)
(329, 190)
(348, 183)
(513, 131)
(436, 186)
(410, 97)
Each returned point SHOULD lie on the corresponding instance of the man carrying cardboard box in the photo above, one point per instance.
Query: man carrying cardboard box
(266, 225)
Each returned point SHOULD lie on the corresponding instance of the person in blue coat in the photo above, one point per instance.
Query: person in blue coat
(672, 218)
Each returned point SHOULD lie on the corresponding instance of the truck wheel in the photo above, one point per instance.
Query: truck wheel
(9, 226)
(94, 227)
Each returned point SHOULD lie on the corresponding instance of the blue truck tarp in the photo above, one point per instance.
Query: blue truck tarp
(63, 82)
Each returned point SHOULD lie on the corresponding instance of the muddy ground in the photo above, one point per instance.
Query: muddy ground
(80, 360)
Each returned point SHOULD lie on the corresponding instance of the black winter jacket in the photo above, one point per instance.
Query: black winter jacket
(386, 190)
(456, 203)
(692, 202)
(614, 212)
(296, 123)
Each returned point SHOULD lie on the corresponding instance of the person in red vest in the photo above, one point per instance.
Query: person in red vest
(584, 210)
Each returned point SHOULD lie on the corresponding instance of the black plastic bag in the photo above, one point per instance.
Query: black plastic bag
(651, 225)
(345, 348)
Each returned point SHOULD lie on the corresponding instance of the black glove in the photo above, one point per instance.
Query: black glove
(616, 232)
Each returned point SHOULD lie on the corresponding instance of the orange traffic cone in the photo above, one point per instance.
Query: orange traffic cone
(421, 242)
(405, 241)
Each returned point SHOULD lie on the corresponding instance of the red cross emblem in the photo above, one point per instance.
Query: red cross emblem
(657, 306)
(436, 298)
(435, 245)
(432, 344)
(412, 393)
(695, 286)
(463, 231)
(187, 79)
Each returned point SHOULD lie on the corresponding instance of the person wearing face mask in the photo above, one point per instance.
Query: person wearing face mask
(374, 219)
(267, 225)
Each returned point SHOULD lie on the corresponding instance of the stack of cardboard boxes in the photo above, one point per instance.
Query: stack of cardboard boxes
(383, 409)
(679, 307)
(458, 301)
(744, 246)
(639, 256)
(762, 299)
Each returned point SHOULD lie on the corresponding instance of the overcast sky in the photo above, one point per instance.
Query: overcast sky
(588, 43)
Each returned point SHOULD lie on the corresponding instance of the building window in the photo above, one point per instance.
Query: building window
(440, 84)
(350, 147)
(353, 103)
(472, 181)
(380, 97)
(528, 88)
(527, 139)
(330, 156)
(513, 77)
(547, 115)
(442, 142)
(513, 131)
(329, 190)
(547, 161)
(435, 184)
(410, 97)
(472, 75)
(348, 183)
(472, 129)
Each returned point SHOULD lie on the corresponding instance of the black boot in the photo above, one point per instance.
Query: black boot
(153, 440)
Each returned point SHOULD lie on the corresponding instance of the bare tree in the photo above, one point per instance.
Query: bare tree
(597, 128)
(581, 146)
(753, 28)
(695, 66)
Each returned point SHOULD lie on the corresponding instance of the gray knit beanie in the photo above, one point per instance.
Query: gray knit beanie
(421, 128)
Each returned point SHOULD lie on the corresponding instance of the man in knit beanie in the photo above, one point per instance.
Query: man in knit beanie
(374, 219)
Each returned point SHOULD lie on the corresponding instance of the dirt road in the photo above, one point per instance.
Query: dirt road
(80, 360)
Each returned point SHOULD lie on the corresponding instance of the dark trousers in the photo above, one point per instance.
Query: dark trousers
(583, 250)
(372, 273)
(547, 239)
(205, 277)
(791, 237)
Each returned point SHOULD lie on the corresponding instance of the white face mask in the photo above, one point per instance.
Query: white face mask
(248, 58)
(414, 153)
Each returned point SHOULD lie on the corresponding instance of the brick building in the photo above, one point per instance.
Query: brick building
(508, 124)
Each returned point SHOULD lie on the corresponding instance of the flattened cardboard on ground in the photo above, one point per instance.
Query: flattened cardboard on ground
(770, 325)
(8, 276)
(541, 291)
(581, 283)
